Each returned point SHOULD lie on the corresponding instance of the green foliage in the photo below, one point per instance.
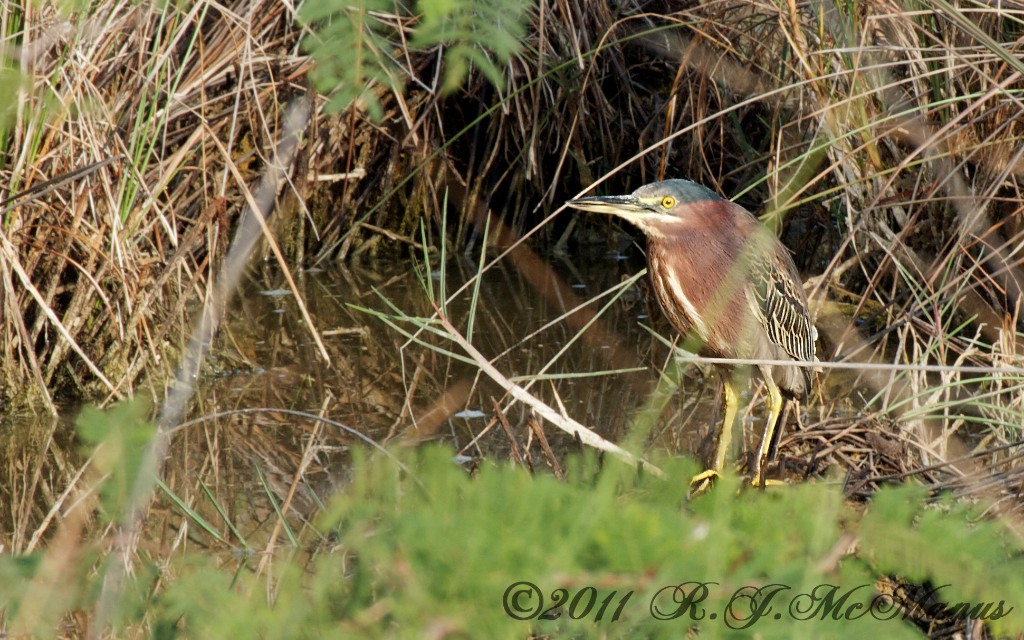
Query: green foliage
(350, 48)
(354, 46)
(470, 29)
(972, 563)
(117, 440)
(440, 550)
(449, 549)
(433, 550)
(38, 589)
(10, 78)
(16, 570)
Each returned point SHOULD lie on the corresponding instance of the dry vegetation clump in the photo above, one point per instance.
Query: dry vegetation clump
(137, 130)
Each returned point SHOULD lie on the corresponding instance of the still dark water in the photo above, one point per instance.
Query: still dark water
(570, 331)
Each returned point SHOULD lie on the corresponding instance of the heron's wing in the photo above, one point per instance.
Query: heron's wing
(781, 306)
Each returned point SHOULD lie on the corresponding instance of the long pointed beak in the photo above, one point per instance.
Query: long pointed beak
(615, 205)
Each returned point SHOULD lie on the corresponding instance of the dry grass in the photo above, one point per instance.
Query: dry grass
(136, 135)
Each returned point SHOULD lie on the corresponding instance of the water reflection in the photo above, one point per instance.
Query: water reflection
(396, 391)
(245, 466)
(391, 388)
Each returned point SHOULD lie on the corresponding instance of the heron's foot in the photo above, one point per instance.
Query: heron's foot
(756, 481)
(703, 481)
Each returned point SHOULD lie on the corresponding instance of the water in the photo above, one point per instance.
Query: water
(392, 388)
(253, 443)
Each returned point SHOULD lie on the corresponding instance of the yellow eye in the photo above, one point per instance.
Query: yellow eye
(668, 202)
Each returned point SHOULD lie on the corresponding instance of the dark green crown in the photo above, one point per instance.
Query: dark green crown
(684, 191)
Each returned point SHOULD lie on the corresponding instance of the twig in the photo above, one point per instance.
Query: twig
(503, 419)
(538, 430)
(570, 426)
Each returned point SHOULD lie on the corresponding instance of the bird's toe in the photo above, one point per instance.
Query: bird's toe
(761, 483)
(703, 481)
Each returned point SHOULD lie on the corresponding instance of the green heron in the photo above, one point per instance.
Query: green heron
(723, 278)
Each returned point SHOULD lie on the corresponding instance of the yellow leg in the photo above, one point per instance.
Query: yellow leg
(774, 411)
(732, 401)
